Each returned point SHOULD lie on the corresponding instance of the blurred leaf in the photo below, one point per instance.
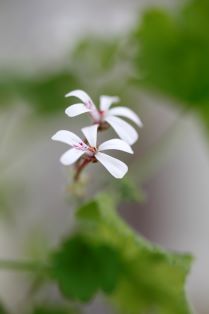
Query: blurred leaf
(73, 266)
(172, 54)
(9, 196)
(2, 310)
(45, 92)
(36, 244)
(97, 65)
(129, 191)
(5, 208)
(152, 279)
(55, 309)
(98, 53)
(82, 267)
(100, 65)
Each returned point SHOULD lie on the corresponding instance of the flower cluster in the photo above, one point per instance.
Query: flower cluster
(87, 150)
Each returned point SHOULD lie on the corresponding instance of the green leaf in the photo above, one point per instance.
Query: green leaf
(152, 279)
(73, 266)
(45, 93)
(2, 310)
(172, 54)
(89, 211)
(129, 191)
(82, 267)
(102, 66)
(97, 54)
(110, 267)
(53, 309)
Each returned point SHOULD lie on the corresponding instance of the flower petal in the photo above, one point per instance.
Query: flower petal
(66, 137)
(71, 156)
(83, 96)
(107, 101)
(123, 129)
(116, 144)
(116, 167)
(76, 110)
(127, 113)
(90, 132)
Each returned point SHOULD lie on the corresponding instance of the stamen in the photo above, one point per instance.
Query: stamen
(81, 146)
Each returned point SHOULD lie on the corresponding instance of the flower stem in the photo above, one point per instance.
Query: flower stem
(17, 265)
(80, 167)
(159, 153)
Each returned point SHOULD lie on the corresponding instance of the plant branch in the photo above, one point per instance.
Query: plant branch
(142, 168)
(21, 265)
(80, 166)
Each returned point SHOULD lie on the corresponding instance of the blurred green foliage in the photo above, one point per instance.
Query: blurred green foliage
(172, 50)
(96, 65)
(8, 188)
(167, 52)
(128, 191)
(151, 278)
(100, 54)
(82, 268)
(91, 59)
(104, 254)
(43, 92)
(4, 201)
(2, 309)
(48, 309)
(53, 309)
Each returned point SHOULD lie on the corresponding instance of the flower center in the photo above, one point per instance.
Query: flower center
(91, 151)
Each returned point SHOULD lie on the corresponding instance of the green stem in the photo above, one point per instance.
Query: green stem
(17, 265)
(79, 168)
(144, 167)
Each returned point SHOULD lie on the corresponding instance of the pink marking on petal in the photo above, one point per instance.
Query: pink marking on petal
(81, 146)
(88, 104)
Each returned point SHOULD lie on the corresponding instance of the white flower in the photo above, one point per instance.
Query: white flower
(106, 115)
(91, 151)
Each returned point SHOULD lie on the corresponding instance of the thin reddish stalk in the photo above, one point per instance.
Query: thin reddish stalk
(80, 167)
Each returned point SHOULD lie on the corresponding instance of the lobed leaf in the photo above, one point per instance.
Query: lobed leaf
(152, 279)
(82, 268)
